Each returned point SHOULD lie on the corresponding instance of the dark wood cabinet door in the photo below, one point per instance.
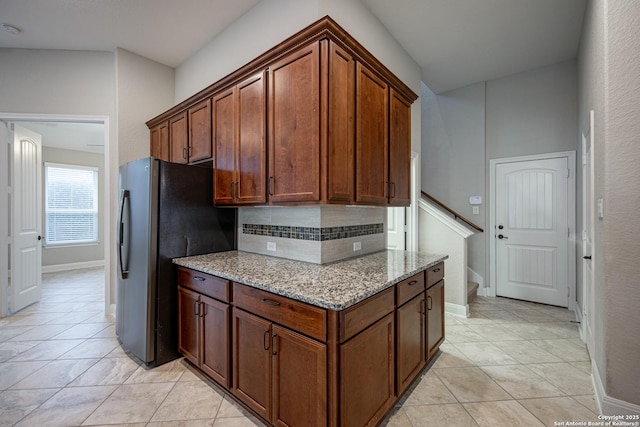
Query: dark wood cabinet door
(200, 131)
(189, 324)
(410, 336)
(224, 140)
(251, 151)
(399, 149)
(160, 141)
(367, 376)
(435, 318)
(299, 379)
(252, 361)
(340, 106)
(216, 351)
(372, 147)
(294, 127)
(178, 138)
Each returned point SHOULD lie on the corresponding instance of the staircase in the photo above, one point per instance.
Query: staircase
(445, 231)
(472, 291)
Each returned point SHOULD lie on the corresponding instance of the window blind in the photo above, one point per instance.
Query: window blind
(71, 204)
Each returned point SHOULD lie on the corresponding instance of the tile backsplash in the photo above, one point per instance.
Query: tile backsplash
(317, 234)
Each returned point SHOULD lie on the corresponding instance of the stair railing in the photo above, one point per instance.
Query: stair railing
(455, 214)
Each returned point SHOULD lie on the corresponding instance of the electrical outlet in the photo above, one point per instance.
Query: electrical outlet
(476, 210)
(271, 246)
(357, 246)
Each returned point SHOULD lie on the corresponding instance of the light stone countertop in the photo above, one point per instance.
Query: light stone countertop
(335, 286)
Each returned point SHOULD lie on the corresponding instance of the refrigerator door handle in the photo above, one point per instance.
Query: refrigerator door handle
(123, 222)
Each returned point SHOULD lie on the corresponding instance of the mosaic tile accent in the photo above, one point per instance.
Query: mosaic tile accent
(312, 233)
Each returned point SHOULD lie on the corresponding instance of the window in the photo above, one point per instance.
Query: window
(71, 204)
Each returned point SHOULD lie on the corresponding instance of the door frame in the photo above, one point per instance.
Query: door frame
(110, 155)
(587, 326)
(4, 219)
(571, 218)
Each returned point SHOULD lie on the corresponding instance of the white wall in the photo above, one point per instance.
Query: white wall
(610, 85)
(52, 255)
(79, 83)
(57, 82)
(145, 89)
(261, 28)
(453, 166)
(533, 112)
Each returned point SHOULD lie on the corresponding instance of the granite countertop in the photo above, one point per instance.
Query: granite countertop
(335, 286)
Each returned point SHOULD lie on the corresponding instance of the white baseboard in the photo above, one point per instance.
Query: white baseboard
(72, 266)
(112, 309)
(472, 276)
(608, 405)
(456, 309)
(481, 292)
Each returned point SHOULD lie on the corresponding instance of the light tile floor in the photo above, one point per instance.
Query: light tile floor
(511, 363)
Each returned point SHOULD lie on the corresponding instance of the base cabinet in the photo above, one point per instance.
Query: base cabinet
(279, 373)
(411, 337)
(365, 398)
(296, 364)
(204, 333)
(435, 318)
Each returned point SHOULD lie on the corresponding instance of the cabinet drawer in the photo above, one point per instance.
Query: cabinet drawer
(212, 286)
(301, 317)
(360, 316)
(409, 288)
(435, 274)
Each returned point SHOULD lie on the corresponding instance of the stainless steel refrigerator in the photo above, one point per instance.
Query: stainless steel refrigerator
(166, 211)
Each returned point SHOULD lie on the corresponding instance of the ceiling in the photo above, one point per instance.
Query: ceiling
(460, 42)
(456, 42)
(70, 136)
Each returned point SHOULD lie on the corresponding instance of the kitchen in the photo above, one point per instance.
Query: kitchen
(127, 114)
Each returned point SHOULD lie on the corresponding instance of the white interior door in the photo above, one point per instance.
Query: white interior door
(396, 228)
(587, 236)
(26, 218)
(532, 230)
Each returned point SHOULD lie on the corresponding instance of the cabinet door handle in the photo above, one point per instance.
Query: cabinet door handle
(422, 307)
(265, 340)
(271, 302)
(430, 303)
(203, 309)
(184, 153)
(196, 308)
(393, 185)
(435, 270)
(232, 183)
(199, 278)
(274, 340)
(413, 282)
(271, 186)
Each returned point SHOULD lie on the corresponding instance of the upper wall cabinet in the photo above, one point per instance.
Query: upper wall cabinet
(316, 119)
(239, 123)
(294, 127)
(372, 137)
(199, 147)
(160, 141)
(178, 138)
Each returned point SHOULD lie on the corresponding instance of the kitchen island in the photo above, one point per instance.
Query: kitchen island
(307, 344)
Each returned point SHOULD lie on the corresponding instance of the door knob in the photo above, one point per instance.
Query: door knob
(39, 237)
(500, 227)
(500, 236)
(587, 257)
